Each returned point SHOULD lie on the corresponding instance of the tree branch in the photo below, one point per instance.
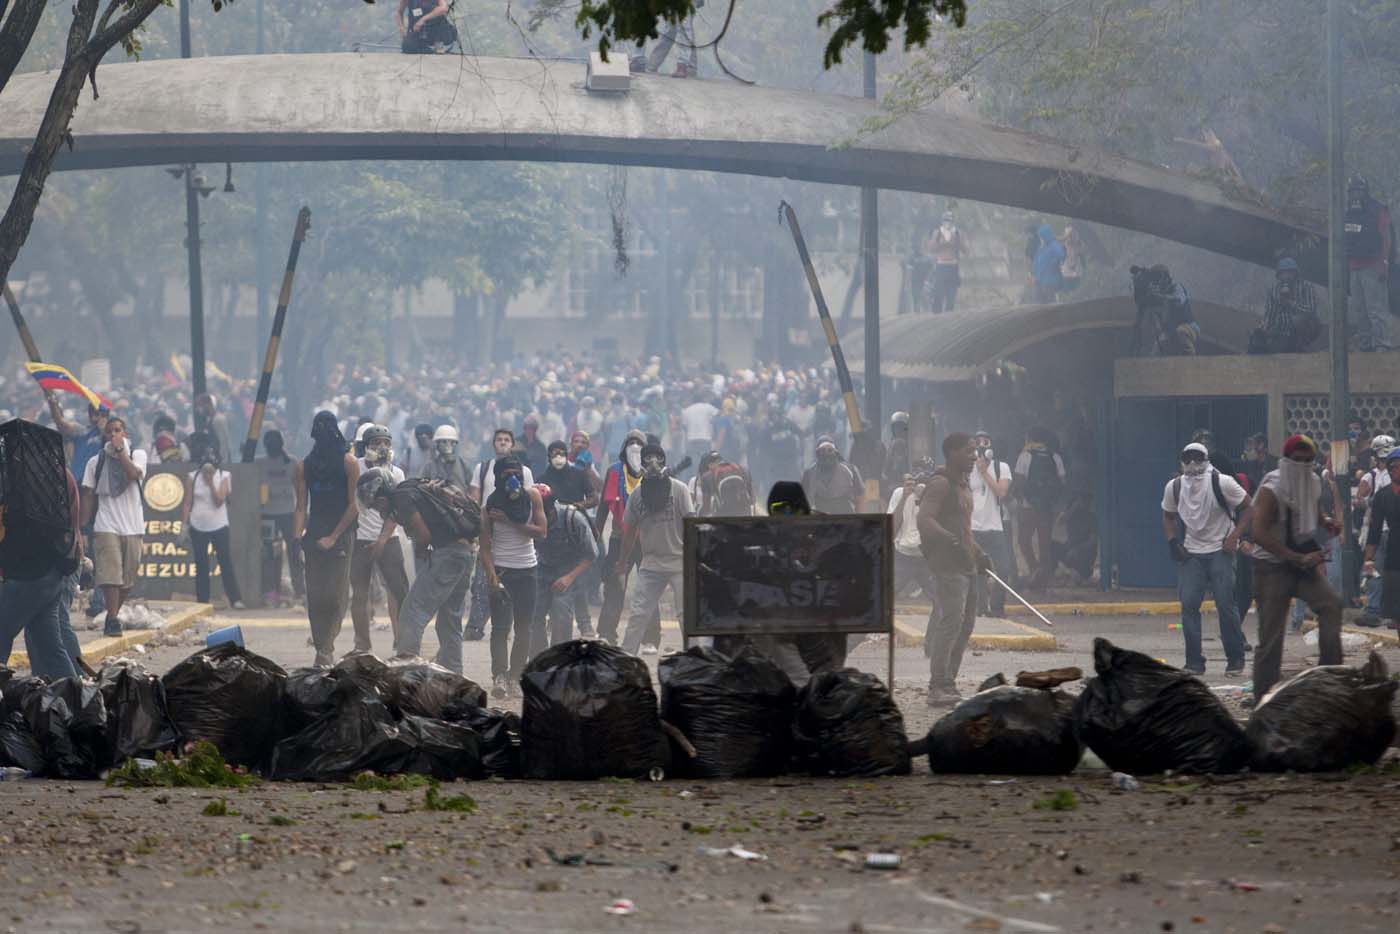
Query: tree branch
(16, 31)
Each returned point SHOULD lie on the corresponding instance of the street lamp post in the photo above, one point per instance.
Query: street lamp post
(1337, 274)
(193, 190)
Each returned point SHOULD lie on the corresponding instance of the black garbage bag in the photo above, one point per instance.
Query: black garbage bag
(499, 731)
(847, 724)
(443, 750)
(589, 712)
(368, 671)
(359, 734)
(309, 694)
(736, 712)
(425, 689)
(230, 697)
(18, 747)
(69, 722)
(138, 718)
(15, 692)
(1324, 719)
(1143, 717)
(1007, 730)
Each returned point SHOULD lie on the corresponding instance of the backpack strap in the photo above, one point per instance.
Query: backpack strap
(1220, 495)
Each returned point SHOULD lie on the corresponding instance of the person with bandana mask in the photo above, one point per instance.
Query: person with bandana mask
(569, 484)
(511, 522)
(1289, 549)
(947, 248)
(482, 486)
(833, 486)
(325, 519)
(1385, 518)
(112, 506)
(1204, 513)
(565, 554)
(445, 465)
(376, 546)
(419, 452)
(654, 519)
(622, 480)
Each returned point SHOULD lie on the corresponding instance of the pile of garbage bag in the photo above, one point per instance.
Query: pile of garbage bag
(1007, 730)
(1143, 717)
(589, 712)
(736, 712)
(1324, 719)
(230, 697)
(138, 717)
(426, 689)
(499, 732)
(847, 724)
(69, 723)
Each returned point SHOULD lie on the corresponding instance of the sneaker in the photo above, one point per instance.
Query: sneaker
(1236, 672)
(112, 628)
(498, 686)
(1198, 672)
(473, 635)
(650, 649)
(1369, 621)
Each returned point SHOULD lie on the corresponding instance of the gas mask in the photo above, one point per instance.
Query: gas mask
(379, 454)
(447, 450)
(827, 458)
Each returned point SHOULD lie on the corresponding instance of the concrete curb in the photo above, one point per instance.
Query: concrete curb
(1028, 640)
(178, 618)
(1388, 636)
(1121, 608)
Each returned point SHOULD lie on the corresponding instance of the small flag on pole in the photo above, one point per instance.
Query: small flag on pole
(52, 377)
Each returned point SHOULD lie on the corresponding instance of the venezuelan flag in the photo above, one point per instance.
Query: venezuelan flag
(55, 378)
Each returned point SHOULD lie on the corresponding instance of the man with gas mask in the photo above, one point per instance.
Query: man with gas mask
(622, 480)
(376, 546)
(445, 465)
(654, 519)
(1369, 242)
(1204, 512)
(326, 513)
(833, 486)
(511, 522)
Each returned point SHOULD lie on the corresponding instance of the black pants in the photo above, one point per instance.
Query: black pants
(200, 541)
(520, 584)
(615, 597)
(362, 565)
(272, 562)
(327, 593)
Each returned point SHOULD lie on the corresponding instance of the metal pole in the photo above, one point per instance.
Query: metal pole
(260, 217)
(274, 340)
(870, 256)
(1337, 273)
(192, 244)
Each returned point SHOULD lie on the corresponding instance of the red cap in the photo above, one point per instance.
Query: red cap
(1299, 443)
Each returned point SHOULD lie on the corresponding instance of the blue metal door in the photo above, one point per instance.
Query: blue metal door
(1147, 436)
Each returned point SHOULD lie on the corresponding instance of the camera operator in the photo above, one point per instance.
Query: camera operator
(205, 518)
(1164, 305)
(1290, 323)
(424, 27)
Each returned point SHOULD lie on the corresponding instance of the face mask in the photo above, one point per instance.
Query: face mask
(447, 450)
(634, 459)
(513, 486)
(558, 461)
(1353, 435)
(826, 461)
(1193, 468)
(378, 455)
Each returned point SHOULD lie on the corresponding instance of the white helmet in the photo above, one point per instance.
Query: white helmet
(445, 433)
(1382, 445)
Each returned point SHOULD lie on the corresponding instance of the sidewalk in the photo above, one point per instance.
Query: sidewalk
(178, 617)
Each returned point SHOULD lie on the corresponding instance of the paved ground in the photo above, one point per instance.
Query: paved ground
(1245, 854)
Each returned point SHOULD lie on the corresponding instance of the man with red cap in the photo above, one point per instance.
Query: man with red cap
(1290, 545)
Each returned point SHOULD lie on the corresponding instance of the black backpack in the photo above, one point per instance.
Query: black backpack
(1214, 488)
(451, 503)
(36, 529)
(1042, 479)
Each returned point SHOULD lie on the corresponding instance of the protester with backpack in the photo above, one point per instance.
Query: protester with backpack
(1203, 514)
(1039, 480)
(565, 554)
(443, 524)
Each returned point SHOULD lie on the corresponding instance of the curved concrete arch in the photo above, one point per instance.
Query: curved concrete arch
(347, 106)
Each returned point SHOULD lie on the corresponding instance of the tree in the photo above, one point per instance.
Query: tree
(93, 32)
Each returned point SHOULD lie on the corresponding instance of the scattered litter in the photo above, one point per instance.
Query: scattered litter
(1009, 923)
(245, 845)
(1002, 781)
(1231, 690)
(1045, 898)
(1351, 641)
(1240, 886)
(140, 616)
(882, 861)
(621, 906)
(686, 794)
(13, 773)
(735, 850)
(1125, 782)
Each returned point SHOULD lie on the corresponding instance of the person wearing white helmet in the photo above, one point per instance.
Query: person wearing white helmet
(376, 546)
(1373, 537)
(445, 464)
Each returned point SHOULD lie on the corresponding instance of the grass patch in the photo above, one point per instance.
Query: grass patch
(433, 801)
(218, 808)
(361, 815)
(697, 828)
(924, 839)
(369, 781)
(201, 767)
(279, 820)
(1061, 800)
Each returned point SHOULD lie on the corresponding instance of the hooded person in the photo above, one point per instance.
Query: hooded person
(1204, 513)
(619, 484)
(833, 486)
(569, 484)
(376, 545)
(277, 478)
(512, 520)
(1289, 548)
(1046, 273)
(654, 519)
(325, 520)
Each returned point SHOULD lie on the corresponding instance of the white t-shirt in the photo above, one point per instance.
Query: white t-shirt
(204, 515)
(488, 479)
(371, 522)
(120, 515)
(698, 419)
(1208, 538)
(986, 508)
(906, 541)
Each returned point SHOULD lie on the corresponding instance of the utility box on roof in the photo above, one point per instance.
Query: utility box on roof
(612, 76)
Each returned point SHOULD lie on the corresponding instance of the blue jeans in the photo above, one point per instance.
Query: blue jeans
(554, 612)
(32, 607)
(438, 590)
(1216, 571)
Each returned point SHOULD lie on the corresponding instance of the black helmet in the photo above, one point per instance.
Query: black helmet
(374, 483)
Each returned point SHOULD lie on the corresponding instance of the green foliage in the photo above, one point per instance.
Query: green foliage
(432, 801)
(1062, 800)
(369, 781)
(218, 808)
(281, 820)
(201, 767)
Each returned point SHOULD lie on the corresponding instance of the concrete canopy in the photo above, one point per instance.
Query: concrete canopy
(353, 106)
